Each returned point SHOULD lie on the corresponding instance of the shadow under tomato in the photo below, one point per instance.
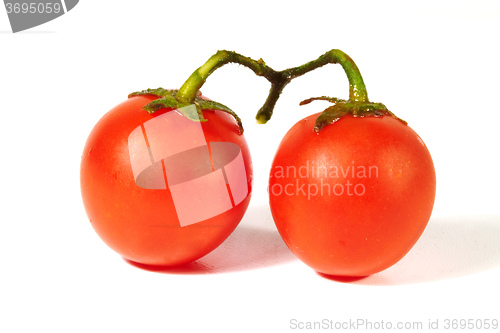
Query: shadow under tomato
(254, 244)
(448, 248)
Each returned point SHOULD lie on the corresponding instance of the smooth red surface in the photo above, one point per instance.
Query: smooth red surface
(141, 224)
(381, 212)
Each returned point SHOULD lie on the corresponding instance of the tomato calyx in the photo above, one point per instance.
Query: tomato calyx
(342, 108)
(167, 99)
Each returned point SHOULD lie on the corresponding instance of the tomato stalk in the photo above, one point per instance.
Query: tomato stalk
(357, 89)
(358, 103)
(189, 93)
(278, 80)
(190, 88)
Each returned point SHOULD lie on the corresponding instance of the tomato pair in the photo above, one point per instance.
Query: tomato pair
(164, 190)
(166, 176)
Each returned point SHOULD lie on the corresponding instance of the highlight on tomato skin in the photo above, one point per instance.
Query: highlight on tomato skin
(162, 189)
(353, 199)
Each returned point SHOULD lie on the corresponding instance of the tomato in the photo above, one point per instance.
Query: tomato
(354, 198)
(162, 189)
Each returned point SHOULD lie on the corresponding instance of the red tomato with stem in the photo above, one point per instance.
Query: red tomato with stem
(354, 198)
(162, 189)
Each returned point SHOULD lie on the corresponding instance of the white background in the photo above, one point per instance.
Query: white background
(434, 64)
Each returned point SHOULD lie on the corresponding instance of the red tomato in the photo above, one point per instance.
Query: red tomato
(161, 189)
(354, 198)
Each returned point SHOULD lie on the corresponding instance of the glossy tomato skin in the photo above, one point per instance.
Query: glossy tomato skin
(141, 219)
(354, 198)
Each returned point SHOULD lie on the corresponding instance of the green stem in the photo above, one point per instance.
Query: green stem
(278, 79)
(357, 89)
(190, 88)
